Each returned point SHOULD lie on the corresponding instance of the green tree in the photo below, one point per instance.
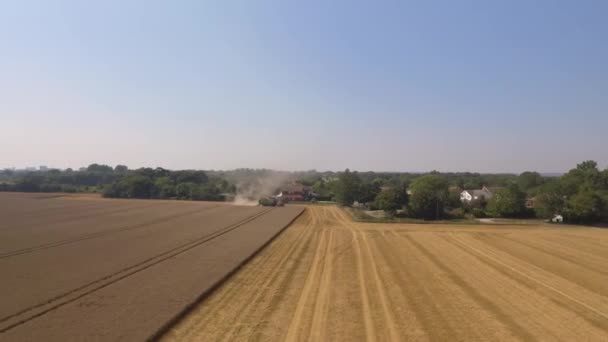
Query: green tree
(550, 200)
(121, 169)
(529, 180)
(132, 186)
(30, 182)
(429, 194)
(453, 200)
(367, 192)
(164, 187)
(190, 176)
(585, 175)
(347, 188)
(186, 190)
(99, 168)
(137, 186)
(585, 206)
(507, 202)
(391, 200)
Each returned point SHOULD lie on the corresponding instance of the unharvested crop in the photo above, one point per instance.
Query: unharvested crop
(78, 268)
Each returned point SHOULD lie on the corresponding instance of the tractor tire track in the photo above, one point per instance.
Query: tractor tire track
(295, 250)
(491, 256)
(317, 329)
(386, 312)
(86, 214)
(298, 320)
(103, 233)
(484, 302)
(370, 331)
(96, 285)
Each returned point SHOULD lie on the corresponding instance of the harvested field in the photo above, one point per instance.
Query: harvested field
(327, 278)
(86, 268)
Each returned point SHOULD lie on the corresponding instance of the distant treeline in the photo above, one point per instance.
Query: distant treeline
(580, 196)
(120, 182)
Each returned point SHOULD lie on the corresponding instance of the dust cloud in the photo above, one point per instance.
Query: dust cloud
(250, 191)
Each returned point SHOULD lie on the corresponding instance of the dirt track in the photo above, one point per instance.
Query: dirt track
(81, 268)
(329, 279)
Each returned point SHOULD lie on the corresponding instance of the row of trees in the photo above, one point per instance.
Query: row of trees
(163, 184)
(120, 182)
(580, 196)
(91, 178)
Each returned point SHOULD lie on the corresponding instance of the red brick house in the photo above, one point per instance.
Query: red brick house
(295, 192)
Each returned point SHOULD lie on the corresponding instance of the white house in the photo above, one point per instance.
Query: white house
(471, 195)
(557, 219)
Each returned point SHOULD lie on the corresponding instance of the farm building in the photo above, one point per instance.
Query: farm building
(471, 195)
(296, 192)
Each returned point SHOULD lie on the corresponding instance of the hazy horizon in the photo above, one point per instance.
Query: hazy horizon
(76, 168)
(500, 87)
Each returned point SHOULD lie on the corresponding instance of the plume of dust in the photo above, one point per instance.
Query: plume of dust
(249, 192)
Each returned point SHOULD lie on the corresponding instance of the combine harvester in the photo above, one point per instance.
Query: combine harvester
(271, 202)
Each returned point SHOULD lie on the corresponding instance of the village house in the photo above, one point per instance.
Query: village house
(472, 195)
(295, 192)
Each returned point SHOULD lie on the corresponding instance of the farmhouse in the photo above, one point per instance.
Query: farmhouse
(472, 195)
(295, 192)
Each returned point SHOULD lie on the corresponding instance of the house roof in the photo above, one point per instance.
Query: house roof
(455, 189)
(493, 189)
(481, 192)
(295, 188)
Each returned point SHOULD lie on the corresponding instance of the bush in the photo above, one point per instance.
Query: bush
(478, 213)
(457, 213)
(429, 194)
(507, 202)
(391, 200)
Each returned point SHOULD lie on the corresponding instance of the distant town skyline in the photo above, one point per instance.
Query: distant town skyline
(480, 86)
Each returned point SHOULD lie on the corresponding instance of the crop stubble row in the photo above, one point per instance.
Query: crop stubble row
(334, 279)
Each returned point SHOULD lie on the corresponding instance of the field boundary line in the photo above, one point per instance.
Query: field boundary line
(296, 249)
(515, 270)
(141, 266)
(205, 294)
(99, 234)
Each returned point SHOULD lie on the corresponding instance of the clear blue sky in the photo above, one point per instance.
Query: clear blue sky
(485, 86)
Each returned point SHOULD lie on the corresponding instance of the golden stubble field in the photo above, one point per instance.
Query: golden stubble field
(327, 278)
